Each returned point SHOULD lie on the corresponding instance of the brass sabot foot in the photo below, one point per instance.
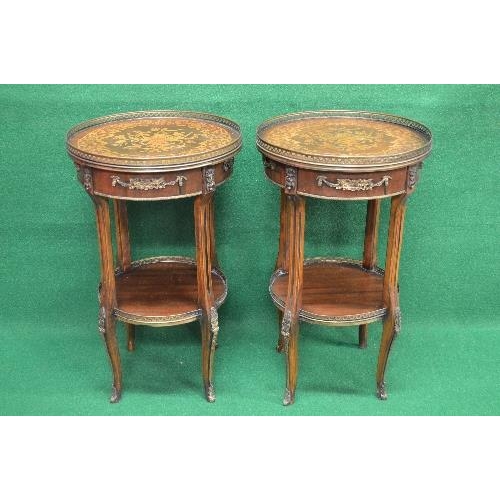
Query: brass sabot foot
(116, 395)
(210, 393)
(381, 393)
(288, 398)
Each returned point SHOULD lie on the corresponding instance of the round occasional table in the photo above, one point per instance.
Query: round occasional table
(145, 156)
(340, 155)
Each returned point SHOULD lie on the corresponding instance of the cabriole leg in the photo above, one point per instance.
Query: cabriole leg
(209, 319)
(290, 321)
(391, 321)
(282, 259)
(107, 326)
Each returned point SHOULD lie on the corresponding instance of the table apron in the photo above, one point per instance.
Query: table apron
(339, 185)
(154, 186)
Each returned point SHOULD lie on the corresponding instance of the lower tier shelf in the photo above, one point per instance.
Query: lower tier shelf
(335, 291)
(162, 291)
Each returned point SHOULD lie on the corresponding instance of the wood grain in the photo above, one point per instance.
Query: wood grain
(335, 290)
(391, 296)
(108, 293)
(156, 155)
(205, 290)
(123, 254)
(370, 252)
(307, 182)
(290, 322)
(282, 259)
(162, 289)
(340, 155)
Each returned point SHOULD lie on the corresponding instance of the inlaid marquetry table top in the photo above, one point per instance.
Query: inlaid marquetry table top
(155, 138)
(343, 140)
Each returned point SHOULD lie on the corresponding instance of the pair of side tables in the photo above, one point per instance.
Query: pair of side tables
(333, 155)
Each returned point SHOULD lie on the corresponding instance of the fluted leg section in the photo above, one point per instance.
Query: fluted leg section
(370, 253)
(290, 322)
(123, 254)
(282, 259)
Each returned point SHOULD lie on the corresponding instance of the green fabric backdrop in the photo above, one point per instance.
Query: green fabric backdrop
(446, 360)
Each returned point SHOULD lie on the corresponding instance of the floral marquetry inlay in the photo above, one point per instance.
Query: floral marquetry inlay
(153, 137)
(343, 136)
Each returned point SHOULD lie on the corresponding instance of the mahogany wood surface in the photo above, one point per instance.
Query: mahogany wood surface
(392, 321)
(207, 292)
(156, 155)
(370, 252)
(123, 254)
(166, 185)
(162, 289)
(343, 155)
(107, 294)
(335, 289)
(315, 183)
(282, 259)
(296, 211)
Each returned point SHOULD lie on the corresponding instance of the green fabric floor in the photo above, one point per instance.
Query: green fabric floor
(446, 360)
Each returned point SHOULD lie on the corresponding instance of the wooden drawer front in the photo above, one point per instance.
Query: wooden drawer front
(147, 186)
(336, 185)
(339, 185)
(150, 186)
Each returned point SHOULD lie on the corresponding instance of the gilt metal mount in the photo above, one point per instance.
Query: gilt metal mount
(353, 184)
(148, 184)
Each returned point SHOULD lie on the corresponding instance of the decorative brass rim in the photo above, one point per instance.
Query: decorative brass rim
(352, 319)
(157, 164)
(172, 319)
(344, 163)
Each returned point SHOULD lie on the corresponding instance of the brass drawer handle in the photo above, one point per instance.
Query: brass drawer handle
(147, 184)
(353, 184)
